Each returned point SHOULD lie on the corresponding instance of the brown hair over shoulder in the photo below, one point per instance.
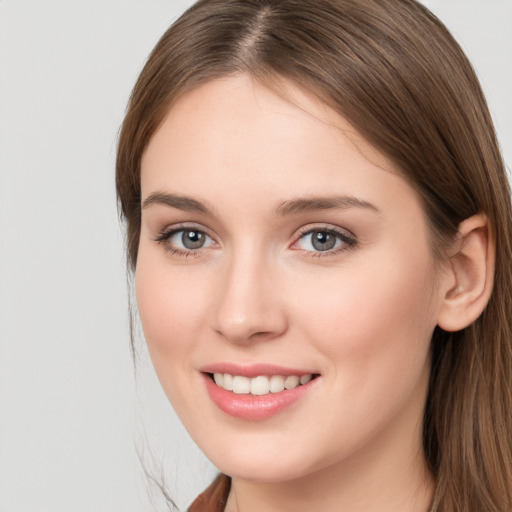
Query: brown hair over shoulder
(396, 74)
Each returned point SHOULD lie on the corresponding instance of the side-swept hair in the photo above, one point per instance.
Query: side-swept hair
(393, 70)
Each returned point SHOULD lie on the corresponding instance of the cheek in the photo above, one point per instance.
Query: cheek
(374, 329)
(170, 305)
(374, 323)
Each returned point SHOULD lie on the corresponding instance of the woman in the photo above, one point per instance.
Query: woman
(319, 223)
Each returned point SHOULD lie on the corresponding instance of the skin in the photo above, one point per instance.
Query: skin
(361, 315)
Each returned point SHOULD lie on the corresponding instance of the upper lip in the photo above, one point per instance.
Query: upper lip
(253, 370)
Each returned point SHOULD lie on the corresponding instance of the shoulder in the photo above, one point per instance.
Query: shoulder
(214, 498)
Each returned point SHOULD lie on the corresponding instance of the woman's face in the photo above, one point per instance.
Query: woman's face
(277, 247)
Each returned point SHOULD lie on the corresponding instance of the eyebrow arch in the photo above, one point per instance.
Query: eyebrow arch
(307, 204)
(176, 201)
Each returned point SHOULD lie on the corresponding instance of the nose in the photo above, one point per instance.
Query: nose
(249, 304)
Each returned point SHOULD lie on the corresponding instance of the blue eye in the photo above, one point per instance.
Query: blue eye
(324, 240)
(190, 239)
(185, 240)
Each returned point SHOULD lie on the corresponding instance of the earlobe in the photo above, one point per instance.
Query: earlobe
(470, 276)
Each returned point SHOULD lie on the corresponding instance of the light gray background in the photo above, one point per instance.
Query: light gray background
(71, 408)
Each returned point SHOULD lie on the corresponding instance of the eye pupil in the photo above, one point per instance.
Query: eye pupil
(323, 240)
(192, 239)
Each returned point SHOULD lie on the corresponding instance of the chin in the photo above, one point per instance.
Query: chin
(262, 471)
(271, 465)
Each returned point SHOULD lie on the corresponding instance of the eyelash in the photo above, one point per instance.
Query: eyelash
(165, 235)
(348, 241)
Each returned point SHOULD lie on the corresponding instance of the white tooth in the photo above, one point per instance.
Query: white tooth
(292, 381)
(241, 385)
(260, 385)
(305, 379)
(227, 382)
(218, 378)
(276, 383)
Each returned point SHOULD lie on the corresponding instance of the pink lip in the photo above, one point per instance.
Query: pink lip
(253, 370)
(255, 408)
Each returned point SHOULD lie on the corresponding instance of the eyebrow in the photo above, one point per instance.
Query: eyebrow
(289, 207)
(176, 201)
(303, 205)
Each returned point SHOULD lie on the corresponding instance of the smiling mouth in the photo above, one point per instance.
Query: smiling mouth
(261, 385)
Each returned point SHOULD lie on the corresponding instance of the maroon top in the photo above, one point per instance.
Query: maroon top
(214, 498)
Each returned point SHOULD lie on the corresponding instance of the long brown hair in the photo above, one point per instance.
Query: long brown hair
(394, 71)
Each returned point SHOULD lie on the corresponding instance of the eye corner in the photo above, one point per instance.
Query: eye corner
(323, 240)
(185, 240)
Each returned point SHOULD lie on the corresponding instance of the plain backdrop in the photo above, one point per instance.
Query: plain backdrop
(73, 412)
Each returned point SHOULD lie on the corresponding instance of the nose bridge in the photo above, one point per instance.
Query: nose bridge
(248, 305)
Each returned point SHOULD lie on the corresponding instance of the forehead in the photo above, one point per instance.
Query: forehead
(237, 133)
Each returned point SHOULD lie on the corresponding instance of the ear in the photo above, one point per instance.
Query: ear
(470, 276)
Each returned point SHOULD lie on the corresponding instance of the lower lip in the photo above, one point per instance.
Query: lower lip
(251, 407)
